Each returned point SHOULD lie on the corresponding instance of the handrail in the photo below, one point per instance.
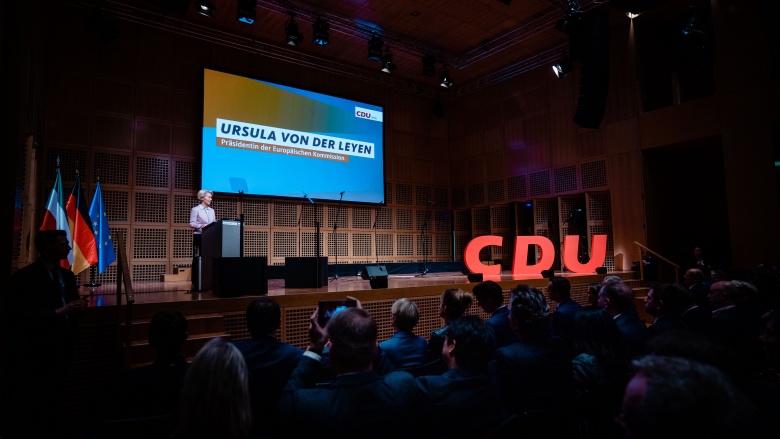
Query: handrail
(654, 253)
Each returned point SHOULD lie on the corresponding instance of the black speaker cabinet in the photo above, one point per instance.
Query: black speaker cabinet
(302, 272)
(475, 277)
(372, 271)
(601, 270)
(548, 274)
(376, 275)
(235, 277)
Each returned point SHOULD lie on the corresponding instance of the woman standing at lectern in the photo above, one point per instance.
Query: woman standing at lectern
(201, 216)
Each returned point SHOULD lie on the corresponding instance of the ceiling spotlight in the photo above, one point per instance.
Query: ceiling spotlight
(444, 79)
(563, 67)
(246, 11)
(375, 48)
(429, 65)
(204, 7)
(320, 32)
(294, 37)
(632, 15)
(387, 63)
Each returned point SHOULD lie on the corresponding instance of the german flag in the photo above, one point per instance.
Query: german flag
(83, 240)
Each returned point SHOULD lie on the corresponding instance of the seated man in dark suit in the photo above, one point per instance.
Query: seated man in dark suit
(358, 402)
(154, 390)
(535, 372)
(42, 306)
(665, 302)
(464, 401)
(618, 299)
(269, 361)
(490, 297)
(562, 320)
(404, 349)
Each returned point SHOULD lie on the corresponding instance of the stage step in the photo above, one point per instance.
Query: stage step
(141, 353)
(200, 329)
(179, 274)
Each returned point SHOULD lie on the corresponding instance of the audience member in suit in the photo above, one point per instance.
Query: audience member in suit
(215, 397)
(42, 307)
(464, 402)
(678, 398)
(358, 402)
(737, 326)
(696, 318)
(269, 361)
(155, 389)
(618, 299)
(534, 372)
(562, 320)
(490, 297)
(593, 295)
(454, 303)
(763, 389)
(404, 349)
(601, 370)
(666, 302)
(694, 281)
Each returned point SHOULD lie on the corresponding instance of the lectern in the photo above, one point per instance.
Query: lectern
(221, 239)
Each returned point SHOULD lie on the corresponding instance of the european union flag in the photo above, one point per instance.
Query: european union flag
(103, 242)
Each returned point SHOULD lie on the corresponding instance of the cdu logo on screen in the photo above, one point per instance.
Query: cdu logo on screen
(365, 113)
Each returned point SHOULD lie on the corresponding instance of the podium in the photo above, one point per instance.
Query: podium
(221, 239)
(301, 272)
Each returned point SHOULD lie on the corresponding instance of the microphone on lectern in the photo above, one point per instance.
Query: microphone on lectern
(307, 197)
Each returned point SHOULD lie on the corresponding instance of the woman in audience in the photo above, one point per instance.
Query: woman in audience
(404, 349)
(215, 398)
(454, 303)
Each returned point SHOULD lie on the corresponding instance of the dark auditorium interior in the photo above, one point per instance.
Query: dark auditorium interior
(661, 131)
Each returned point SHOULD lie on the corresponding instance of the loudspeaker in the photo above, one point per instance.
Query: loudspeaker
(548, 274)
(372, 271)
(302, 272)
(378, 282)
(594, 82)
(475, 277)
(235, 277)
(376, 274)
(601, 270)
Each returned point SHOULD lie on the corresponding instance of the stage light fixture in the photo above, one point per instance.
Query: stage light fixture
(293, 36)
(320, 33)
(246, 11)
(204, 7)
(387, 63)
(429, 65)
(444, 79)
(375, 48)
(564, 66)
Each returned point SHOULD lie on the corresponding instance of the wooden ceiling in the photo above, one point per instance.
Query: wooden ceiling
(482, 41)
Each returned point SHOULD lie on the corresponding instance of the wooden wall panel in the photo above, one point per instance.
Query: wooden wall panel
(185, 139)
(622, 136)
(113, 97)
(537, 127)
(514, 133)
(152, 137)
(112, 132)
(154, 103)
(561, 120)
(493, 139)
(624, 174)
(692, 120)
(517, 161)
(187, 108)
(69, 89)
(539, 155)
(65, 125)
(536, 100)
(591, 143)
(563, 149)
(116, 63)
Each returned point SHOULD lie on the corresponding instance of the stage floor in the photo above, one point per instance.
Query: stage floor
(181, 291)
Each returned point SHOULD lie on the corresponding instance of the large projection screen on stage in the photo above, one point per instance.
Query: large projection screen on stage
(272, 140)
